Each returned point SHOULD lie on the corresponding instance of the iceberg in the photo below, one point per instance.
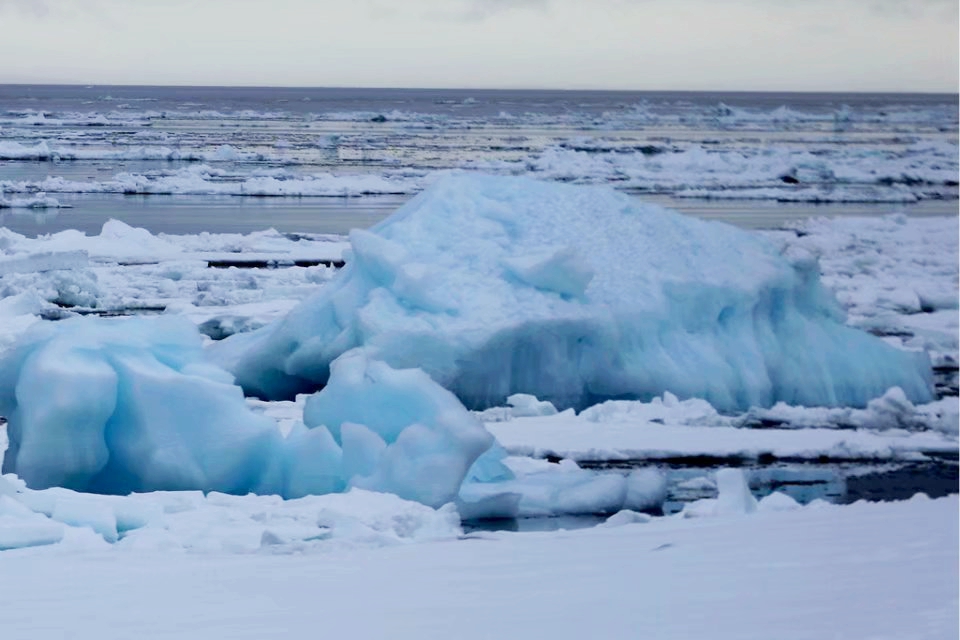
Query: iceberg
(128, 405)
(117, 406)
(496, 286)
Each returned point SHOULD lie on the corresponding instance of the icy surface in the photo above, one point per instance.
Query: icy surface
(497, 286)
(667, 429)
(875, 570)
(829, 148)
(134, 407)
(137, 408)
(894, 275)
(124, 270)
(395, 431)
(218, 523)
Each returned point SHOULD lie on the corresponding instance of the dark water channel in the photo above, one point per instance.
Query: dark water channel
(838, 483)
(182, 214)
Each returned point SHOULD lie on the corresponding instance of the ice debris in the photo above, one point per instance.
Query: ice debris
(216, 522)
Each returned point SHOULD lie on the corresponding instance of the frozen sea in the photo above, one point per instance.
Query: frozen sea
(228, 207)
(186, 160)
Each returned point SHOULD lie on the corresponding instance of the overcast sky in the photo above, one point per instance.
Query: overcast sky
(842, 45)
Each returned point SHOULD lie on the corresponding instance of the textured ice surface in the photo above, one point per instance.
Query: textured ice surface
(496, 286)
(396, 431)
(895, 275)
(216, 522)
(668, 428)
(115, 406)
(118, 406)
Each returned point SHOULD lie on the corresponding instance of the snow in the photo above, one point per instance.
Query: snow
(465, 282)
(38, 201)
(667, 429)
(865, 570)
(205, 180)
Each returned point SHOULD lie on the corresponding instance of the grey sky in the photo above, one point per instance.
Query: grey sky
(845, 45)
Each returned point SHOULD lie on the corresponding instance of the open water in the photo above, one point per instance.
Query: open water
(192, 159)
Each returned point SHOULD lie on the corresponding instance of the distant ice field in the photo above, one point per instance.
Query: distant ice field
(340, 158)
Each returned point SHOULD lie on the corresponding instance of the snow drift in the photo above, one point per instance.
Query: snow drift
(496, 286)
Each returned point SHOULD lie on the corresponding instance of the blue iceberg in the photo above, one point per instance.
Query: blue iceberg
(117, 406)
(496, 286)
(128, 405)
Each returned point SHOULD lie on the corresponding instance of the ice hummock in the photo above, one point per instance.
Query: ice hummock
(496, 286)
(128, 405)
(117, 406)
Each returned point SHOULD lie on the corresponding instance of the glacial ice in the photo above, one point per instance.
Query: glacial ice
(496, 286)
(398, 431)
(116, 406)
(123, 405)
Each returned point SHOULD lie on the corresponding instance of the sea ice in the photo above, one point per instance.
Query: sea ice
(117, 406)
(114, 406)
(496, 286)
(398, 431)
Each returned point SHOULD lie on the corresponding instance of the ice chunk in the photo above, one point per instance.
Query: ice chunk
(558, 270)
(80, 511)
(538, 488)
(624, 517)
(399, 431)
(122, 405)
(777, 501)
(734, 495)
(38, 201)
(21, 527)
(43, 261)
(312, 463)
(646, 489)
(526, 405)
(484, 282)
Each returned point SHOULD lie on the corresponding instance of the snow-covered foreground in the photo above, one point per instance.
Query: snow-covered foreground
(860, 571)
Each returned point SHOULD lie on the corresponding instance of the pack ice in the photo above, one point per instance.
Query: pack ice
(496, 286)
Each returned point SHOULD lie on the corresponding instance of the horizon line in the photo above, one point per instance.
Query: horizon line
(488, 89)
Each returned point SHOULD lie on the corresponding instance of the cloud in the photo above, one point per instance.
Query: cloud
(479, 10)
(33, 8)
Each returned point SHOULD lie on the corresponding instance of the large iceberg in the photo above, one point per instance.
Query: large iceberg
(496, 286)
